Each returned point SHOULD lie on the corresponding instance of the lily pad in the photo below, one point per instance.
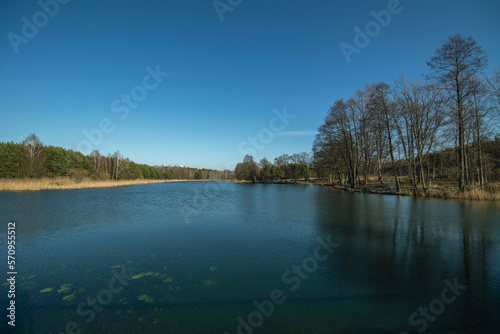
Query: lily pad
(149, 299)
(167, 280)
(46, 290)
(142, 297)
(118, 266)
(213, 268)
(65, 287)
(141, 275)
(69, 298)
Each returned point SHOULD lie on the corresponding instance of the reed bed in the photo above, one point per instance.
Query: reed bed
(70, 183)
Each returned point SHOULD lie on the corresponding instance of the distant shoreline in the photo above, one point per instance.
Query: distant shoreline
(69, 183)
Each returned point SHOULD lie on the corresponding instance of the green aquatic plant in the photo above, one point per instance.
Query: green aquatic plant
(213, 268)
(65, 287)
(149, 273)
(46, 290)
(123, 301)
(142, 297)
(8, 283)
(69, 298)
(118, 266)
(81, 290)
(146, 298)
(168, 280)
(141, 275)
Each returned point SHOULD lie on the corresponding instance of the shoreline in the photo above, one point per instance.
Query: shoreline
(435, 191)
(67, 183)
(474, 194)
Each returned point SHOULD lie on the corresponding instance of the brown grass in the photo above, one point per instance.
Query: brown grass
(491, 192)
(69, 183)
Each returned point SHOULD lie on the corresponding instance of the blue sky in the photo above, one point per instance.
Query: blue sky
(225, 77)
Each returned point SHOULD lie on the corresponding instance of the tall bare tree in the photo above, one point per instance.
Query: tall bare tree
(453, 66)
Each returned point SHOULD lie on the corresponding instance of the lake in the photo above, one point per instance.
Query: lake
(219, 257)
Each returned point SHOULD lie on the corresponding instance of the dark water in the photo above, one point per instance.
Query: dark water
(238, 258)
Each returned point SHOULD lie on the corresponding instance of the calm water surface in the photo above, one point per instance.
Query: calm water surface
(206, 257)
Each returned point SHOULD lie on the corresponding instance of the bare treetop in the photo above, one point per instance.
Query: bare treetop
(457, 60)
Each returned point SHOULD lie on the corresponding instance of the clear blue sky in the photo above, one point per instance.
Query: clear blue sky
(225, 77)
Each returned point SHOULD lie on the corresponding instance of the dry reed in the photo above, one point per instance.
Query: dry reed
(69, 183)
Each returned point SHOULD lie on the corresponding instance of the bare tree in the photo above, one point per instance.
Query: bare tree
(420, 109)
(453, 66)
(494, 85)
(384, 108)
(117, 164)
(33, 157)
(480, 110)
(95, 157)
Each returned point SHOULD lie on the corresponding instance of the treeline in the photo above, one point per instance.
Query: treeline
(441, 127)
(32, 159)
(285, 167)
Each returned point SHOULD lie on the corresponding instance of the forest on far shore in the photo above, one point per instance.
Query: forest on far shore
(32, 159)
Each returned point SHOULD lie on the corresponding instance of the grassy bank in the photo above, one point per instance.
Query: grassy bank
(444, 190)
(70, 183)
(435, 191)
